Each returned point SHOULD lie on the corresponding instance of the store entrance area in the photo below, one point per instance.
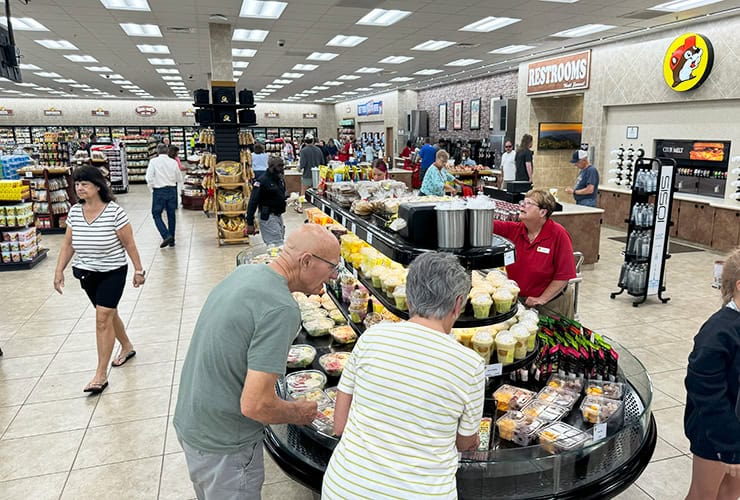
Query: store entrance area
(56, 442)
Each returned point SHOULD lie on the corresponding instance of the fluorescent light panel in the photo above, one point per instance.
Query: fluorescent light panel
(238, 73)
(310, 91)
(366, 69)
(586, 29)
(243, 52)
(463, 62)
(140, 5)
(681, 5)
(273, 86)
(113, 77)
(63, 80)
(348, 77)
(512, 49)
(80, 59)
(395, 60)
(346, 41)
(427, 72)
(490, 23)
(242, 35)
(153, 49)
(133, 29)
(168, 71)
(171, 78)
(24, 24)
(380, 84)
(363, 89)
(27, 84)
(262, 9)
(333, 83)
(161, 62)
(240, 64)
(431, 45)
(305, 67)
(292, 75)
(48, 74)
(282, 81)
(401, 79)
(383, 17)
(99, 69)
(322, 56)
(319, 87)
(122, 82)
(29, 67)
(57, 44)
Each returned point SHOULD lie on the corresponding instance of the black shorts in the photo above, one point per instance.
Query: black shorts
(103, 288)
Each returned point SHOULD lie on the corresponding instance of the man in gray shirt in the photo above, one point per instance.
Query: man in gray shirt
(311, 156)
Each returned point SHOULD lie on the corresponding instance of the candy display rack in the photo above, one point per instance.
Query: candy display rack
(52, 193)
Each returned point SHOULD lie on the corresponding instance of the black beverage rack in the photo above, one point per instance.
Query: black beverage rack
(225, 116)
(643, 271)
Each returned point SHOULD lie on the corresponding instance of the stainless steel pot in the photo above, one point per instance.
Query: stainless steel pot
(450, 228)
(480, 226)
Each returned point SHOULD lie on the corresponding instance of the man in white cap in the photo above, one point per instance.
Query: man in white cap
(586, 189)
(311, 156)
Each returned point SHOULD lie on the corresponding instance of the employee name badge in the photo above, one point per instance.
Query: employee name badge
(543, 250)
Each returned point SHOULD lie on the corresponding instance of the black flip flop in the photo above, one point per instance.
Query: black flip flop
(128, 356)
(96, 388)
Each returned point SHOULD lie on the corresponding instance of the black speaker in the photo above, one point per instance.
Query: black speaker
(247, 117)
(226, 116)
(246, 97)
(224, 95)
(204, 116)
(200, 96)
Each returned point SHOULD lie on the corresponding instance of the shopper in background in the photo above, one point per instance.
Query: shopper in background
(524, 158)
(331, 150)
(586, 189)
(347, 151)
(268, 194)
(288, 152)
(380, 170)
(711, 421)
(163, 178)
(435, 182)
(172, 152)
(406, 155)
(259, 159)
(99, 236)
(369, 152)
(508, 162)
(427, 153)
(544, 254)
(238, 350)
(311, 157)
(402, 428)
(466, 160)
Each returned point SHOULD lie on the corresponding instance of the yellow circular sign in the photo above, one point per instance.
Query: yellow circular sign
(688, 62)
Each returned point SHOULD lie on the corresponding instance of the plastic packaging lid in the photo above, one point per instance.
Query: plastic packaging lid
(481, 300)
(305, 380)
(483, 337)
(300, 355)
(400, 291)
(505, 338)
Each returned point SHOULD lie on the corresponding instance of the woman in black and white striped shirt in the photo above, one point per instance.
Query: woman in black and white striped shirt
(98, 237)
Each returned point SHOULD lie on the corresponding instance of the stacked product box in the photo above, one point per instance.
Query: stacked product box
(13, 190)
(19, 246)
(16, 216)
(10, 164)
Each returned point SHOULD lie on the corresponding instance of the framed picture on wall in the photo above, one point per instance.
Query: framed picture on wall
(474, 114)
(442, 121)
(457, 115)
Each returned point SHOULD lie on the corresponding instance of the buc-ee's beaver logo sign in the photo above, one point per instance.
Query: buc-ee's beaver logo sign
(688, 62)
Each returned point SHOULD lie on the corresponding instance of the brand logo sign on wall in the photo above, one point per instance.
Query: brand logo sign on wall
(146, 110)
(559, 74)
(309, 116)
(52, 112)
(189, 113)
(272, 114)
(688, 62)
(5, 111)
(370, 108)
(100, 112)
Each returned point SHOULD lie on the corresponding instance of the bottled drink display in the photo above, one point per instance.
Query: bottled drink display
(638, 244)
(643, 214)
(647, 181)
(633, 277)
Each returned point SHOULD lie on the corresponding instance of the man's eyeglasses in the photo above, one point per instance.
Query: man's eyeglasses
(508, 146)
(334, 267)
(527, 203)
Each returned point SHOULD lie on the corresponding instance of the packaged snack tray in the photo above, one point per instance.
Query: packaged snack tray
(312, 395)
(544, 411)
(570, 384)
(318, 327)
(343, 334)
(324, 420)
(331, 392)
(333, 363)
(596, 410)
(601, 388)
(300, 355)
(558, 437)
(557, 397)
(305, 380)
(519, 428)
(484, 434)
(509, 397)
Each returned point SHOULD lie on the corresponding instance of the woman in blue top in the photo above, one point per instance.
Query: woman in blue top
(259, 159)
(437, 176)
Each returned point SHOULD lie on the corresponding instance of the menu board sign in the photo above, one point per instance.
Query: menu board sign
(272, 114)
(309, 116)
(6, 112)
(704, 151)
(146, 110)
(559, 74)
(100, 112)
(52, 112)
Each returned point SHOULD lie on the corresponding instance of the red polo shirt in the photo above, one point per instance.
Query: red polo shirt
(549, 257)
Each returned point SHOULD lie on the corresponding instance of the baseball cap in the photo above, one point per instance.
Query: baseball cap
(308, 137)
(579, 155)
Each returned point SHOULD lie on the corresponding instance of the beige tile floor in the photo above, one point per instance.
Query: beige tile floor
(55, 442)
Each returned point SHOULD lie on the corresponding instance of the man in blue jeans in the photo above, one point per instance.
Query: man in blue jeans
(163, 177)
(586, 189)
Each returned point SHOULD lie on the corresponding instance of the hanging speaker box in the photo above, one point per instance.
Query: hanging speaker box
(247, 117)
(200, 96)
(204, 116)
(224, 95)
(246, 97)
(226, 116)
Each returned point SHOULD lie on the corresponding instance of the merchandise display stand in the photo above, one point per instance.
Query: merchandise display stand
(52, 193)
(117, 164)
(226, 212)
(139, 150)
(643, 270)
(18, 254)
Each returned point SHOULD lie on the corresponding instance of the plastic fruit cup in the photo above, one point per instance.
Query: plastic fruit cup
(505, 347)
(481, 306)
(503, 299)
(521, 336)
(399, 294)
(483, 344)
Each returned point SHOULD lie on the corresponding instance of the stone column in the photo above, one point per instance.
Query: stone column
(221, 58)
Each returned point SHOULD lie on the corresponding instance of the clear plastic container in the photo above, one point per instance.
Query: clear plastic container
(372, 319)
(333, 363)
(301, 355)
(605, 389)
(570, 384)
(318, 327)
(558, 397)
(331, 392)
(305, 380)
(343, 334)
(484, 434)
(337, 316)
(518, 428)
(481, 306)
(597, 410)
(312, 395)
(544, 411)
(399, 295)
(558, 436)
(324, 420)
(509, 397)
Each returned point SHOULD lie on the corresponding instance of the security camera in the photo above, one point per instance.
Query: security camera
(121, 91)
(281, 43)
(190, 77)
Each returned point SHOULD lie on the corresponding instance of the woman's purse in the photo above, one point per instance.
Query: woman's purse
(80, 274)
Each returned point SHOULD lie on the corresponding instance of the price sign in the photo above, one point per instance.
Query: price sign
(599, 432)
(344, 221)
(29, 174)
(354, 272)
(369, 238)
(494, 370)
(354, 228)
(509, 257)
(341, 261)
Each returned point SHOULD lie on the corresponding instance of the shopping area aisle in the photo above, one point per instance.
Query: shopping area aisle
(56, 442)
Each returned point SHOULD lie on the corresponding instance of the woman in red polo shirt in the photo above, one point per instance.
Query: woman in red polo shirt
(544, 254)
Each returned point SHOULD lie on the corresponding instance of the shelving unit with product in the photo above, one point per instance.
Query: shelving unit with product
(117, 165)
(52, 194)
(643, 271)
(589, 448)
(346, 130)
(55, 149)
(232, 191)
(7, 137)
(138, 150)
(193, 193)
(19, 240)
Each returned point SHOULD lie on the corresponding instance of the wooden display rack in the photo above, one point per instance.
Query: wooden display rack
(243, 183)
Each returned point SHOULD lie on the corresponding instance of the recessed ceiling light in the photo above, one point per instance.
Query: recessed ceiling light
(48, 74)
(363, 89)
(349, 77)
(262, 10)
(677, 5)
(349, 92)
(113, 77)
(99, 69)
(395, 60)
(512, 49)
(426, 72)
(431, 45)
(322, 56)
(57, 44)
(89, 90)
(24, 24)
(586, 29)
(171, 77)
(319, 87)
(292, 75)
(346, 41)
(488, 24)
(161, 62)
(153, 49)
(240, 64)
(53, 92)
(81, 59)
(401, 79)
(80, 85)
(238, 73)
(381, 84)
(65, 80)
(129, 87)
(243, 52)
(44, 88)
(282, 81)
(305, 67)
(333, 83)
(273, 86)
(29, 66)
(241, 35)
(310, 91)
(133, 29)
(168, 71)
(463, 62)
(368, 70)
(122, 82)
(383, 17)
(126, 4)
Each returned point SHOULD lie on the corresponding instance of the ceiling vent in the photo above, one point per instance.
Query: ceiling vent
(644, 14)
(179, 29)
(464, 45)
(360, 4)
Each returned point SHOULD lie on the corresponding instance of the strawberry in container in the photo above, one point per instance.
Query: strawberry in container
(343, 334)
(304, 381)
(333, 363)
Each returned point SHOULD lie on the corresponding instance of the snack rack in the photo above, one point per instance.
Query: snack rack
(53, 194)
(11, 233)
(225, 212)
(139, 150)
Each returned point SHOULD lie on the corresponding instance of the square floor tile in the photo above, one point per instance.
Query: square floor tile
(36, 455)
(33, 346)
(121, 442)
(672, 383)
(286, 489)
(74, 361)
(633, 493)
(670, 427)
(15, 391)
(667, 479)
(53, 387)
(7, 413)
(664, 450)
(176, 484)
(132, 377)
(134, 479)
(46, 328)
(135, 405)
(53, 416)
(25, 367)
(47, 487)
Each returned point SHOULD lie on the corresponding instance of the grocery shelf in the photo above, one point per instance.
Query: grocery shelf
(21, 266)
